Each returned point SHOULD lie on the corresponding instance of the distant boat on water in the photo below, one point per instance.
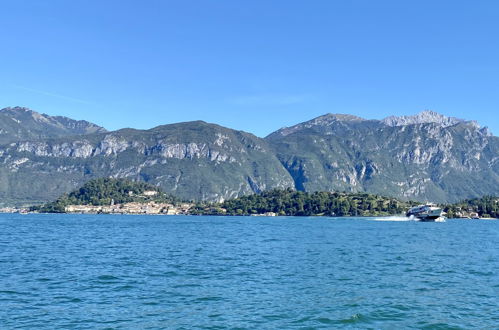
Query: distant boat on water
(427, 212)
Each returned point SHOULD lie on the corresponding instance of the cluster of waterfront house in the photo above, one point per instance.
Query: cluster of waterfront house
(132, 208)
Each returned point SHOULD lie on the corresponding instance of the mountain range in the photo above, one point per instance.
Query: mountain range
(426, 157)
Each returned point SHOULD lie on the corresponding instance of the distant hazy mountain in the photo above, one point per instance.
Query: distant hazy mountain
(424, 157)
(19, 123)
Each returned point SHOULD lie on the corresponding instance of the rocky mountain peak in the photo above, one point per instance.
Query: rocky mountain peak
(321, 121)
(424, 117)
(329, 117)
(21, 123)
(16, 110)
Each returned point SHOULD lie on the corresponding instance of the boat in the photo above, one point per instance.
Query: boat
(427, 213)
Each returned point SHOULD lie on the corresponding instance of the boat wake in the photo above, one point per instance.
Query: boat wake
(394, 218)
(403, 218)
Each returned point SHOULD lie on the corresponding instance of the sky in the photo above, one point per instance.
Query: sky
(252, 65)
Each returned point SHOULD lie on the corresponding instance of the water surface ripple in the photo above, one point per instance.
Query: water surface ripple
(152, 272)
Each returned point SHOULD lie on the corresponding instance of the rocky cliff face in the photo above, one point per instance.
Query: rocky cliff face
(423, 117)
(424, 157)
(192, 160)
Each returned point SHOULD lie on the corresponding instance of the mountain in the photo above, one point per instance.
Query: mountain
(424, 157)
(18, 123)
(423, 117)
(193, 160)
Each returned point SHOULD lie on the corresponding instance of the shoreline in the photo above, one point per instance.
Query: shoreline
(383, 217)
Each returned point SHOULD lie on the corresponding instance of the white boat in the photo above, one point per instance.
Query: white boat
(427, 212)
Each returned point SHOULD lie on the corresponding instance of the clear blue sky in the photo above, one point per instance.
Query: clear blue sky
(249, 64)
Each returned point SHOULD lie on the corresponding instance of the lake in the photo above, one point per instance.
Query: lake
(151, 272)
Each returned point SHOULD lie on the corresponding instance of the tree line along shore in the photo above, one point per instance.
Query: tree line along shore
(121, 196)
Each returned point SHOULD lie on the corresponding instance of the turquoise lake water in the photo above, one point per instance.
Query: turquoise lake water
(140, 272)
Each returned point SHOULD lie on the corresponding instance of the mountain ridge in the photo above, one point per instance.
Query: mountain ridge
(424, 161)
(193, 160)
(21, 123)
(422, 157)
(423, 117)
(426, 117)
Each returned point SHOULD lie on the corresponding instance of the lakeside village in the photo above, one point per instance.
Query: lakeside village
(149, 207)
(120, 196)
(132, 208)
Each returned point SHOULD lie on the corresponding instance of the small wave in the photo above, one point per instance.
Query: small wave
(440, 326)
(67, 299)
(179, 286)
(271, 240)
(325, 320)
(125, 288)
(274, 317)
(210, 298)
(11, 292)
(164, 274)
(302, 320)
(107, 278)
(356, 318)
